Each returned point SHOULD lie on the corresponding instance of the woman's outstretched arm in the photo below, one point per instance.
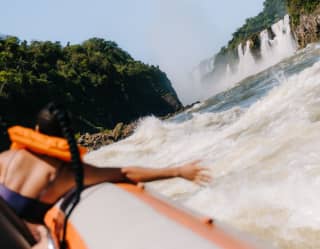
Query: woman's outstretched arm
(190, 171)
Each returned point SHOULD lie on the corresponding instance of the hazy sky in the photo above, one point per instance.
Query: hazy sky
(174, 34)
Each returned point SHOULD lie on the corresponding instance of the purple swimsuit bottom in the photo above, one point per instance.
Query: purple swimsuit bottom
(26, 208)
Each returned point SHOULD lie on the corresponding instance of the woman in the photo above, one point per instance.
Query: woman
(32, 179)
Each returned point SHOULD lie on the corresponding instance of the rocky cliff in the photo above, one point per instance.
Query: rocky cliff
(306, 26)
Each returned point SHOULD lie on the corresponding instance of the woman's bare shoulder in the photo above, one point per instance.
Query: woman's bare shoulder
(6, 154)
(15, 159)
(24, 155)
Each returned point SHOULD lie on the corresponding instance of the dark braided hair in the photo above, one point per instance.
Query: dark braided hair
(55, 121)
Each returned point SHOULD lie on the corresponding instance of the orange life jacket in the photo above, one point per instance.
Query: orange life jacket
(26, 138)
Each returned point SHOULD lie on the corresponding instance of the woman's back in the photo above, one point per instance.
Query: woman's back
(25, 173)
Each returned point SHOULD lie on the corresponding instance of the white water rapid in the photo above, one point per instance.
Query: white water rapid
(264, 159)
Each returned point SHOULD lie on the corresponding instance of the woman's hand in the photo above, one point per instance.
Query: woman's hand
(194, 172)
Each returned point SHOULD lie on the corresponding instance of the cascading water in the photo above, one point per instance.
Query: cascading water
(272, 50)
(246, 61)
(261, 141)
(278, 48)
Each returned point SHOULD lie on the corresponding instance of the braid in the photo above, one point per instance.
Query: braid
(64, 122)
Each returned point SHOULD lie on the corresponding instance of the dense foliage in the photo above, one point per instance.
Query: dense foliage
(297, 7)
(98, 81)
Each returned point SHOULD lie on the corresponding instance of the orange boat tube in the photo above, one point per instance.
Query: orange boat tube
(127, 216)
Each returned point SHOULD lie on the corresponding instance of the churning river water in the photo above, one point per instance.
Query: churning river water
(261, 141)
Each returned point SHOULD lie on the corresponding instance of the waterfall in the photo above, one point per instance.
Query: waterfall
(272, 50)
(246, 60)
(205, 67)
(283, 44)
(265, 42)
(196, 76)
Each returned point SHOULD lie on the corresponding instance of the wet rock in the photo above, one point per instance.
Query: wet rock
(116, 133)
(180, 110)
(120, 131)
(97, 140)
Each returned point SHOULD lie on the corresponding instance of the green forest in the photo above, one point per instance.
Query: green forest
(99, 82)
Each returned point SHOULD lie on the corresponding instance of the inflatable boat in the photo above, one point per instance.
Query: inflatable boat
(127, 216)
